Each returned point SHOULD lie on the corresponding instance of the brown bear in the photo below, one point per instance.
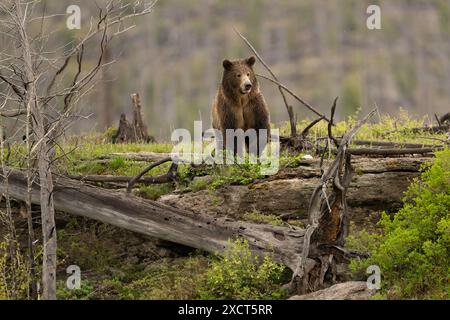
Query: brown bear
(239, 103)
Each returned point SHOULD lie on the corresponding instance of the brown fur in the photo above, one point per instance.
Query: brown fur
(234, 109)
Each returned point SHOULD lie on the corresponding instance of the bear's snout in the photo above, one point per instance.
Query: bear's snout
(246, 86)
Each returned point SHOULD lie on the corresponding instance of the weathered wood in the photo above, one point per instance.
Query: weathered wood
(385, 152)
(391, 152)
(139, 156)
(306, 104)
(132, 132)
(206, 232)
(163, 178)
(378, 184)
(327, 212)
(431, 129)
(138, 123)
(172, 172)
(124, 132)
(391, 144)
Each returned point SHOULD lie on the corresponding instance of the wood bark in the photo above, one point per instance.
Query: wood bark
(132, 132)
(31, 103)
(138, 123)
(378, 184)
(151, 218)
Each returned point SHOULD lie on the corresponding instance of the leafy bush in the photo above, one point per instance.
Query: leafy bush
(413, 252)
(362, 241)
(83, 293)
(240, 275)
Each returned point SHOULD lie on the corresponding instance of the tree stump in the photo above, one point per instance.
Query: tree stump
(137, 130)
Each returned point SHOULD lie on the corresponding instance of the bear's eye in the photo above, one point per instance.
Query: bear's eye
(238, 75)
(248, 74)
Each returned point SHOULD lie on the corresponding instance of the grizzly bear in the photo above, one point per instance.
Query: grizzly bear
(239, 104)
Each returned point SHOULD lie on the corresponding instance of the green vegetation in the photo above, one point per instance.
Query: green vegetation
(383, 127)
(165, 279)
(259, 217)
(199, 184)
(236, 275)
(236, 174)
(413, 252)
(153, 192)
(411, 248)
(240, 275)
(362, 241)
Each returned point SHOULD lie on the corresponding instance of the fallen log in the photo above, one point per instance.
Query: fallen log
(431, 129)
(151, 218)
(138, 156)
(391, 152)
(385, 152)
(163, 178)
(390, 144)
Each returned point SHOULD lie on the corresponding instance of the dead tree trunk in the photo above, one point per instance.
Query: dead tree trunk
(207, 232)
(154, 219)
(139, 127)
(132, 132)
(328, 216)
(44, 154)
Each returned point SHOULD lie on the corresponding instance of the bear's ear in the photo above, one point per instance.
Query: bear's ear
(227, 64)
(250, 61)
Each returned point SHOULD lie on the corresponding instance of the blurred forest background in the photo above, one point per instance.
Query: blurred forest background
(318, 48)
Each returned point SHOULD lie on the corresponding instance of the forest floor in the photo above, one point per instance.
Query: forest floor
(118, 264)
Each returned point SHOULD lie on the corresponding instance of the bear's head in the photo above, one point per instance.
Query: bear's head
(238, 76)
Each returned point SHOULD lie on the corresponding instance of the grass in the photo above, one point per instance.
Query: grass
(117, 264)
(85, 155)
(386, 128)
(199, 184)
(258, 217)
(153, 192)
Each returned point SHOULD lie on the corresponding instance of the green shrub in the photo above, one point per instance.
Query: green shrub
(240, 275)
(174, 280)
(413, 252)
(83, 293)
(362, 241)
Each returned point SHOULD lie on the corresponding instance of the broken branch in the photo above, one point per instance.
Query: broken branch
(133, 181)
(306, 104)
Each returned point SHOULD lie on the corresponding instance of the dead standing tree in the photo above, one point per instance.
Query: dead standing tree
(328, 217)
(133, 132)
(35, 73)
